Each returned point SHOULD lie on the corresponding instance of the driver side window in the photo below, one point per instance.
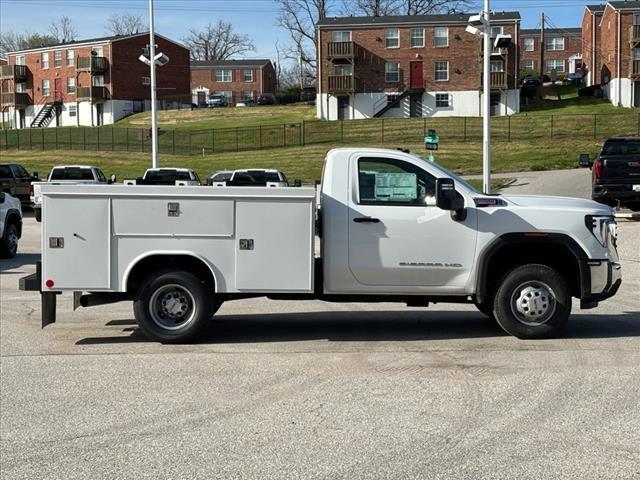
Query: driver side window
(387, 181)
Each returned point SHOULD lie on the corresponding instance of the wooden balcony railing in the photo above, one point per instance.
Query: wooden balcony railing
(13, 72)
(15, 99)
(95, 94)
(337, 50)
(634, 33)
(498, 80)
(635, 68)
(91, 64)
(343, 84)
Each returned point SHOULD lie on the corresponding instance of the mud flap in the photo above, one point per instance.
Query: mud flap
(33, 283)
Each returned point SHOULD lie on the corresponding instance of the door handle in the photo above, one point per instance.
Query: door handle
(366, 220)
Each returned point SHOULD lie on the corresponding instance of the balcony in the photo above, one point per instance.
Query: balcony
(634, 33)
(94, 94)
(17, 73)
(91, 64)
(499, 81)
(11, 99)
(635, 68)
(343, 84)
(341, 50)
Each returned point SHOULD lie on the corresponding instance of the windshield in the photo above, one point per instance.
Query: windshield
(621, 147)
(71, 173)
(167, 175)
(448, 173)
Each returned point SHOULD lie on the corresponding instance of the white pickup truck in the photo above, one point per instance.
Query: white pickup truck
(392, 227)
(66, 175)
(167, 176)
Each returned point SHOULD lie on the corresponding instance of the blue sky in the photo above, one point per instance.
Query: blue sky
(255, 18)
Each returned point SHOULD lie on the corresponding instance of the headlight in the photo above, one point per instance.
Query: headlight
(603, 227)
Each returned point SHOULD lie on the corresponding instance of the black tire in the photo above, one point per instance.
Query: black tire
(38, 214)
(173, 306)
(533, 301)
(9, 241)
(634, 207)
(486, 308)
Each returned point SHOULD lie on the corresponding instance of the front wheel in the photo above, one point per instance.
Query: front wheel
(173, 307)
(9, 241)
(533, 301)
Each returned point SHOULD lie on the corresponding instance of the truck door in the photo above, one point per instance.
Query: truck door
(397, 236)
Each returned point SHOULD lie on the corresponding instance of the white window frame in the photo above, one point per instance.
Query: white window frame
(244, 75)
(636, 54)
(555, 63)
(57, 58)
(529, 44)
(71, 85)
(99, 52)
(73, 110)
(554, 44)
(21, 87)
(436, 36)
(44, 60)
(220, 74)
(388, 71)
(146, 80)
(247, 97)
(496, 66)
(436, 70)
(20, 60)
(71, 58)
(343, 70)
(636, 19)
(97, 81)
(495, 31)
(448, 97)
(530, 62)
(46, 87)
(392, 34)
(417, 37)
(338, 36)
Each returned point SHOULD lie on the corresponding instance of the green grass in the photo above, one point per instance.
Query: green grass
(564, 100)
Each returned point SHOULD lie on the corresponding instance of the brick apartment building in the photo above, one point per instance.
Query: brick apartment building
(236, 79)
(90, 82)
(611, 50)
(562, 52)
(412, 66)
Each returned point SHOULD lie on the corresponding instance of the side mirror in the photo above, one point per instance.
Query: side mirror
(36, 176)
(297, 182)
(2, 197)
(446, 196)
(585, 161)
(113, 178)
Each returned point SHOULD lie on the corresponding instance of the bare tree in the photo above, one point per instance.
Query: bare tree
(217, 42)
(125, 24)
(370, 8)
(63, 30)
(427, 7)
(11, 41)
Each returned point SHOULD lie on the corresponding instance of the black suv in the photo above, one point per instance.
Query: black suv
(616, 172)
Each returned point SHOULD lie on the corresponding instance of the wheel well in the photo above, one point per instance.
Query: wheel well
(14, 217)
(155, 263)
(554, 255)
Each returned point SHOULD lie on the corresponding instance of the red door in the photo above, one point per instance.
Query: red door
(57, 89)
(417, 76)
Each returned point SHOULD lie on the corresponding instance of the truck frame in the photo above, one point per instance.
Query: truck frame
(391, 227)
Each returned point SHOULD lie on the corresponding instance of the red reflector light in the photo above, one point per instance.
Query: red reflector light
(597, 169)
(49, 283)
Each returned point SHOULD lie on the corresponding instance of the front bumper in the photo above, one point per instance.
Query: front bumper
(605, 278)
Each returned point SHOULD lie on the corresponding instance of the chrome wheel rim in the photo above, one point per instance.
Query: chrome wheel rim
(12, 241)
(172, 307)
(533, 303)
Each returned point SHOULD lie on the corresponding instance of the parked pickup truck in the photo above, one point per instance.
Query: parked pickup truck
(15, 180)
(166, 176)
(615, 178)
(67, 175)
(253, 177)
(392, 227)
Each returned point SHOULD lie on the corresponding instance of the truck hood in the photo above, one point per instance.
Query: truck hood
(565, 203)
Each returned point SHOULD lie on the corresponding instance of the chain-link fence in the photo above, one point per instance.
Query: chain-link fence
(370, 131)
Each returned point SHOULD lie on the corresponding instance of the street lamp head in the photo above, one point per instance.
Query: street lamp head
(502, 41)
(474, 31)
(144, 59)
(476, 21)
(161, 59)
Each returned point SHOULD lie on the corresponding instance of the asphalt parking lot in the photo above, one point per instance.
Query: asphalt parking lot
(314, 390)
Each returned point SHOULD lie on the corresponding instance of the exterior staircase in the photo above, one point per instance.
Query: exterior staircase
(45, 115)
(398, 99)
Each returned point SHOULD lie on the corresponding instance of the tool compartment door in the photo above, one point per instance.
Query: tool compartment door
(82, 261)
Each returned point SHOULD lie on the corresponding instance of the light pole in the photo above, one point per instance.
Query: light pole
(154, 114)
(486, 91)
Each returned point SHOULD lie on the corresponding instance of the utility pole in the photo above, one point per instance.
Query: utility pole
(486, 88)
(154, 117)
(541, 48)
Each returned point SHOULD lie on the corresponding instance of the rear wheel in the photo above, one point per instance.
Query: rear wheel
(173, 306)
(533, 301)
(37, 213)
(9, 241)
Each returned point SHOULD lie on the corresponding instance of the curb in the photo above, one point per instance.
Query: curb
(628, 216)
